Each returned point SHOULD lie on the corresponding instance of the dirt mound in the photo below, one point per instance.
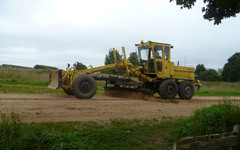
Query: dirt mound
(130, 93)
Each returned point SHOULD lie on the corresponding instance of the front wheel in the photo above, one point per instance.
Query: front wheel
(84, 86)
(186, 90)
(168, 89)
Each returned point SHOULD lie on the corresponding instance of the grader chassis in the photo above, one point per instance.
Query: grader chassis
(156, 73)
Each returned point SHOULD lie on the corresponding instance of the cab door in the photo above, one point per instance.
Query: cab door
(166, 61)
(162, 57)
(151, 62)
(158, 52)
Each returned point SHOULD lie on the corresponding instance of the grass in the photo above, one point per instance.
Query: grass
(16, 74)
(22, 86)
(218, 118)
(218, 89)
(16, 80)
(115, 134)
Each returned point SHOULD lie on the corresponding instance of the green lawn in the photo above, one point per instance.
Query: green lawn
(23, 86)
(20, 86)
(218, 89)
(15, 80)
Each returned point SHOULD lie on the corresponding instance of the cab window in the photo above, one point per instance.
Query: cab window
(143, 54)
(166, 52)
(150, 54)
(151, 68)
(158, 51)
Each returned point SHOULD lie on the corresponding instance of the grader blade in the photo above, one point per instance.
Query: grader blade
(55, 79)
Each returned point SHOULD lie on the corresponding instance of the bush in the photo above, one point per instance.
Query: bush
(218, 118)
(117, 134)
(16, 135)
(209, 75)
(80, 66)
(45, 67)
(10, 131)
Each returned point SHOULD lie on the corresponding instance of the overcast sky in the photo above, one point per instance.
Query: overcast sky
(57, 32)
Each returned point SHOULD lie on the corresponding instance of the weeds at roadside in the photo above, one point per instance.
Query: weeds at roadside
(217, 118)
(10, 131)
(115, 134)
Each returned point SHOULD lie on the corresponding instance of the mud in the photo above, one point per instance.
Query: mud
(48, 107)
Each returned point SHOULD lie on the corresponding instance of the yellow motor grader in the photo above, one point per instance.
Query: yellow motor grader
(156, 73)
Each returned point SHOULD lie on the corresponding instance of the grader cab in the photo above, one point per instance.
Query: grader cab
(156, 73)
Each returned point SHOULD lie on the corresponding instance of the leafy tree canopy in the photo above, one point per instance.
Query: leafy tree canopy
(231, 70)
(109, 58)
(133, 58)
(45, 67)
(199, 69)
(80, 66)
(215, 9)
(209, 75)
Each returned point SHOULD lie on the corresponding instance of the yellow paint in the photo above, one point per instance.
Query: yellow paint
(168, 70)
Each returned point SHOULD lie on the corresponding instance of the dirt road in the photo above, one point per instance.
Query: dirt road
(45, 107)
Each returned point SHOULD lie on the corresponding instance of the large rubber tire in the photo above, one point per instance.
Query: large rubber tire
(186, 90)
(68, 92)
(168, 89)
(84, 86)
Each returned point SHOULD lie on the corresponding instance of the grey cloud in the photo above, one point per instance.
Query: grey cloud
(58, 43)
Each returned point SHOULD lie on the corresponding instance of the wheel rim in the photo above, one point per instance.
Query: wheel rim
(187, 90)
(85, 87)
(170, 89)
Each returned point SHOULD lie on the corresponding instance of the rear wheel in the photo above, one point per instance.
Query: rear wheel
(84, 86)
(186, 90)
(168, 89)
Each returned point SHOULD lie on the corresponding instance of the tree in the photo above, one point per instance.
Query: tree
(209, 75)
(231, 70)
(215, 9)
(219, 71)
(199, 69)
(45, 67)
(133, 58)
(80, 66)
(109, 58)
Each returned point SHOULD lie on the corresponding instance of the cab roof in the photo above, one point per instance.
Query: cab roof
(149, 42)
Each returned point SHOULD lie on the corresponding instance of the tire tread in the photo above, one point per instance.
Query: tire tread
(76, 90)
